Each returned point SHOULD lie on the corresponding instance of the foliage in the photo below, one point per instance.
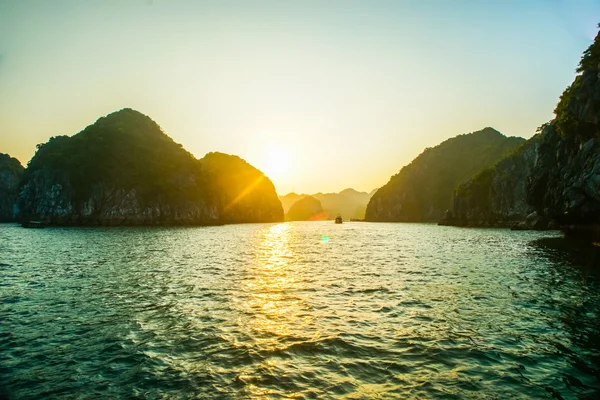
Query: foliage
(125, 149)
(424, 189)
(11, 172)
(565, 121)
(127, 152)
(479, 186)
(591, 56)
(8, 163)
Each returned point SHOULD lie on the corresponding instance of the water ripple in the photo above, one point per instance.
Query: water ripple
(270, 310)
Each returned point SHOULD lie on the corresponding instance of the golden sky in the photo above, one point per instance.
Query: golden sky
(319, 95)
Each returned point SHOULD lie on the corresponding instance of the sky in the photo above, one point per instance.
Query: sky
(319, 95)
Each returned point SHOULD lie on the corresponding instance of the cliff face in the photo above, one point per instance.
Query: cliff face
(554, 179)
(564, 185)
(497, 195)
(51, 197)
(122, 170)
(11, 171)
(424, 189)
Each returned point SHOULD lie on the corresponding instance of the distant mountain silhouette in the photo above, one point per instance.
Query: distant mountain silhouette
(424, 189)
(306, 209)
(348, 203)
(289, 199)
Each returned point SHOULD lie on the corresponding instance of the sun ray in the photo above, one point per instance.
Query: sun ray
(244, 192)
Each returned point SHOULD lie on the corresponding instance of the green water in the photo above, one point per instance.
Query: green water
(278, 311)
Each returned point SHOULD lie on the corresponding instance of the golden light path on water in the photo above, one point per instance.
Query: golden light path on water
(275, 313)
(296, 310)
(274, 276)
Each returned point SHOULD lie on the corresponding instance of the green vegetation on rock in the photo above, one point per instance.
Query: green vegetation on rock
(591, 57)
(125, 150)
(577, 109)
(124, 169)
(553, 180)
(11, 172)
(497, 195)
(424, 189)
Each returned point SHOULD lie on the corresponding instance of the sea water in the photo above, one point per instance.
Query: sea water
(297, 310)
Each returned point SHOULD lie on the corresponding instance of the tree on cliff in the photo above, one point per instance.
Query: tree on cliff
(575, 111)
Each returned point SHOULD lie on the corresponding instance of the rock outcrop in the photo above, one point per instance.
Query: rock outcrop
(306, 209)
(497, 195)
(424, 189)
(554, 179)
(122, 170)
(241, 192)
(11, 172)
(564, 185)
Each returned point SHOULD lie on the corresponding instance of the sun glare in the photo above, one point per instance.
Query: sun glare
(269, 152)
(277, 162)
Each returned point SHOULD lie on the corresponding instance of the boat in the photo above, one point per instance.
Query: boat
(338, 219)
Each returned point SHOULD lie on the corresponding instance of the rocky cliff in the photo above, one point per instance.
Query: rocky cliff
(121, 170)
(554, 179)
(424, 189)
(497, 195)
(11, 172)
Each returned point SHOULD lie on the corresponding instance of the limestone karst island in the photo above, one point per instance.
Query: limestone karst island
(124, 170)
(257, 199)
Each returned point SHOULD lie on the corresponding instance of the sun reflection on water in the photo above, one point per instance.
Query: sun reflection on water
(271, 311)
(276, 310)
(276, 307)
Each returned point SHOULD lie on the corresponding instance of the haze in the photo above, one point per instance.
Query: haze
(319, 95)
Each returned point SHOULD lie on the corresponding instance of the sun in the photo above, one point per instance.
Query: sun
(270, 153)
(277, 162)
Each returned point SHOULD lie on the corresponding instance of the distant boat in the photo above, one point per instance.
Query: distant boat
(32, 224)
(338, 219)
